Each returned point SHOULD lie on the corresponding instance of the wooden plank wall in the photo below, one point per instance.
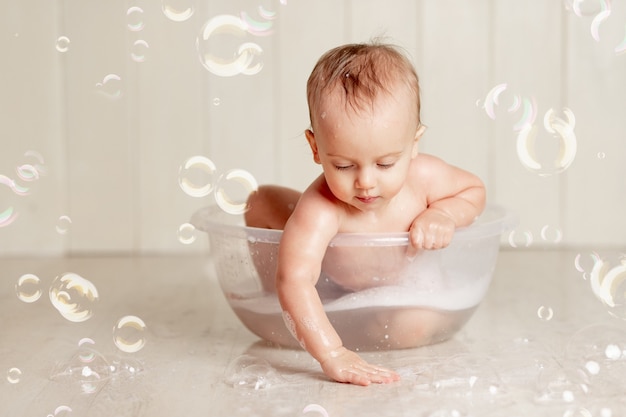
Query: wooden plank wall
(110, 116)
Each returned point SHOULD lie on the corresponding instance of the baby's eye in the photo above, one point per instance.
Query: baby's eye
(343, 167)
(385, 166)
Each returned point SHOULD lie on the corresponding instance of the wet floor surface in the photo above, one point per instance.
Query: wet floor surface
(153, 336)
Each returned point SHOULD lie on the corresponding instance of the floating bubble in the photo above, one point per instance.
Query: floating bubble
(73, 296)
(584, 7)
(39, 166)
(187, 233)
(27, 172)
(7, 216)
(15, 187)
(63, 44)
(178, 10)
(217, 101)
(196, 176)
(63, 225)
(551, 234)
(139, 50)
(249, 372)
(134, 16)
(603, 14)
(315, 408)
(28, 288)
(245, 57)
(518, 238)
(561, 129)
(258, 27)
(608, 283)
(233, 189)
(545, 313)
(110, 87)
(14, 375)
(601, 155)
(61, 411)
(585, 263)
(129, 334)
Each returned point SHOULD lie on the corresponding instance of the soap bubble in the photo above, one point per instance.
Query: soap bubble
(528, 139)
(608, 283)
(178, 10)
(545, 313)
(259, 27)
(28, 288)
(551, 234)
(315, 408)
(246, 52)
(110, 87)
(15, 187)
(233, 190)
(63, 224)
(249, 372)
(134, 16)
(129, 334)
(585, 263)
(196, 176)
(187, 233)
(520, 238)
(584, 7)
(73, 296)
(217, 101)
(7, 216)
(27, 172)
(63, 44)
(61, 411)
(14, 375)
(139, 50)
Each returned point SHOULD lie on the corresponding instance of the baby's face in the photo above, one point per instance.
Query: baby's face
(366, 154)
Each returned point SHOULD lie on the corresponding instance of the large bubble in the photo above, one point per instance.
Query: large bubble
(238, 59)
(129, 334)
(197, 176)
(28, 288)
(73, 296)
(251, 373)
(608, 283)
(233, 190)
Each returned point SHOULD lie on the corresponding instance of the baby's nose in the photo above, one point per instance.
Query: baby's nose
(365, 179)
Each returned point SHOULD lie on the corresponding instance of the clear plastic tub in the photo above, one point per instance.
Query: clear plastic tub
(399, 302)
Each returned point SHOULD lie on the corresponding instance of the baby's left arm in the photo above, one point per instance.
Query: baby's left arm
(454, 199)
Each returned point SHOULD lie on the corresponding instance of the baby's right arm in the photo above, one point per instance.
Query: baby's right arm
(302, 248)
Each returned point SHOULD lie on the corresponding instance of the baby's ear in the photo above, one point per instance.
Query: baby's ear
(310, 137)
(418, 134)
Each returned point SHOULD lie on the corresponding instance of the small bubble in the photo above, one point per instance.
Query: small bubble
(613, 352)
(315, 408)
(73, 296)
(520, 238)
(63, 44)
(27, 172)
(63, 225)
(178, 10)
(28, 288)
(134, 17)
(7, 216)
(196, 176)
(233, 189)
(129, 334)
(217, 101)
(62, 411)
(110, 87)
(592, 367)
(601, 155)
(249, 372)
(551, 234)
(14, 375)
(139, 50)
(187, 233)
(545, 313)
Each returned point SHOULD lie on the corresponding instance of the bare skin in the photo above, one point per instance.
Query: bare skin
(374, 180)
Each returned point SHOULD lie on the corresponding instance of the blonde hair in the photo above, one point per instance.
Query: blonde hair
(363, 71)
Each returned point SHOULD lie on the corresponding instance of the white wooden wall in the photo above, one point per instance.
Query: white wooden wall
(112, 152)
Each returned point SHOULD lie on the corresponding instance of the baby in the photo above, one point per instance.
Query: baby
(364, 109)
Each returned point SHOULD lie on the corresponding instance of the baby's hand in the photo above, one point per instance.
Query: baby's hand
(433, 229)
(346, 366)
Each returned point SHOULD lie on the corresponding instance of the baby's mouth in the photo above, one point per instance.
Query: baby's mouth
(367, 199)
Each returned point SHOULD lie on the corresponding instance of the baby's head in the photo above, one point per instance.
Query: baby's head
(356, 75)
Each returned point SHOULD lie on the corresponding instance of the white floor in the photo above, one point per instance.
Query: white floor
(541, 344)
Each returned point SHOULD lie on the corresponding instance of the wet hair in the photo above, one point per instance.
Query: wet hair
(361, 72)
